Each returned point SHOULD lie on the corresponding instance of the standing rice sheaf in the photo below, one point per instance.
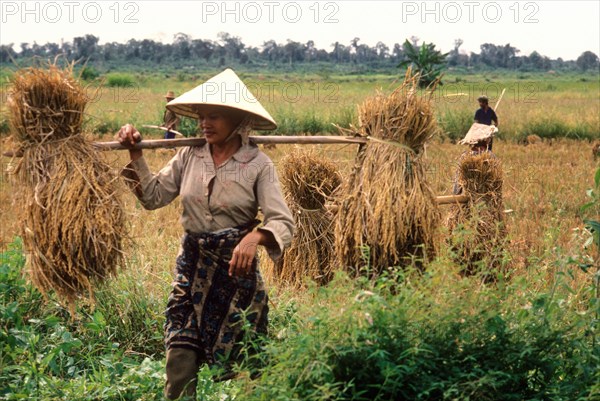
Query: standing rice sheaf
(73, 222)
(387, 214)
(308, 182)
(478, 228)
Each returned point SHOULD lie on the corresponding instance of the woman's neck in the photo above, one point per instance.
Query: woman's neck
(223, 151)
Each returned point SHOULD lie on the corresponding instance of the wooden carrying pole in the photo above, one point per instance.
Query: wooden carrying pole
(440, 200)
(305, 140)
(170, 143)
(178, 142)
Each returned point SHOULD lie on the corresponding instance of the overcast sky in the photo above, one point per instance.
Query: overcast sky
(553, 28)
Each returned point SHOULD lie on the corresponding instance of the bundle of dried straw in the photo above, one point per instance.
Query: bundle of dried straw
(73, 223)
(388, 215)
(308, 182)
(478, 226)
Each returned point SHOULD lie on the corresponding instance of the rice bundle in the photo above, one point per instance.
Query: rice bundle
(308, 181)
(388, 215)
(478, 226)
(73, 221)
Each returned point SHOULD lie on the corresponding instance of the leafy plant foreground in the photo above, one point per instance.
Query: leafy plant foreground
(403, 337)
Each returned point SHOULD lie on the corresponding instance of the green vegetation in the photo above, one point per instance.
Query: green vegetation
(455, 124)
(101, 355)
(119, 80)
(561, 105)
(89, 74)
(186, 52)
(425, 60)
(403, 343)
(553, 128)
(402, 337)
(405, 336)
(551, 107)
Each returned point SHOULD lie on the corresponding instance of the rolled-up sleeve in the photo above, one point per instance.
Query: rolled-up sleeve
(278, 219)
(155, 190)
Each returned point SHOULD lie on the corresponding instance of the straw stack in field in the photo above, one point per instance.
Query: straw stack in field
(73, 223)
(387, 214)
(308, 181)
(478, 226)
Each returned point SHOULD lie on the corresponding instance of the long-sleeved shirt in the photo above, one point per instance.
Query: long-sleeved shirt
(215, 198)
(170, 120)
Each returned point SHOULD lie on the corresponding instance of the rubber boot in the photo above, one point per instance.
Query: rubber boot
(182, 373)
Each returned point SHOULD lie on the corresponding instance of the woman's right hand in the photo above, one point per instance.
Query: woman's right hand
(128, 136)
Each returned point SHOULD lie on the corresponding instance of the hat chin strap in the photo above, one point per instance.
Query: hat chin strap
(243, 130)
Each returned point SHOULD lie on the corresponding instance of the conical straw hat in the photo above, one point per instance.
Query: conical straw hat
(478, 132)
(224, 90)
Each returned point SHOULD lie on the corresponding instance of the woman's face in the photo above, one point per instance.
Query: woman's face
(217, 124)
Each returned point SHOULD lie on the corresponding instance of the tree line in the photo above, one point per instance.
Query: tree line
(186, 52)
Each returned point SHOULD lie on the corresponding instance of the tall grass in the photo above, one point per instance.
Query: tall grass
(293, 122)
(554, 128)
(455, 124)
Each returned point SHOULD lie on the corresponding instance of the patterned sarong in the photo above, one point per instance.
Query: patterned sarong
(206, 307)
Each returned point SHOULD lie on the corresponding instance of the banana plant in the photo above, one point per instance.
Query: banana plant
(425, 61)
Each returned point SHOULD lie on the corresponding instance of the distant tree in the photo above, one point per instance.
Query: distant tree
(51, 49)
(454, 54)
(340, 53)
(85, 47)
(294, 51)
(230, 50)
(25, 50)
(66, 48)
(587, 61)
(426, 61)
(382, 50)
(310, 51)
(354, 50)
(233, 45)
(203, 49)
(270, 50)
(507, 55)
(366, 54)
(7, 54)
(539, 62)
(132, 49)
(498, 56)
(181, 44)
(397, 52)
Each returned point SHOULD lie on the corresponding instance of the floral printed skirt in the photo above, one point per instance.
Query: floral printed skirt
(207, 310)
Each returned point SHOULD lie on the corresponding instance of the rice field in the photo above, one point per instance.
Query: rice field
(114, 352)
(544, 185)
(549, 105)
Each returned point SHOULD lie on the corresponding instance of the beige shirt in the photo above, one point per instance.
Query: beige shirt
(218, 198)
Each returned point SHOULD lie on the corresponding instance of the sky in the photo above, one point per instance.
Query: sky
(553, 28)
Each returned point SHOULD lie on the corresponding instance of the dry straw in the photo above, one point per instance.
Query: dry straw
(478, 226)
(73, 222)
(308, 181)
(387, 214)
